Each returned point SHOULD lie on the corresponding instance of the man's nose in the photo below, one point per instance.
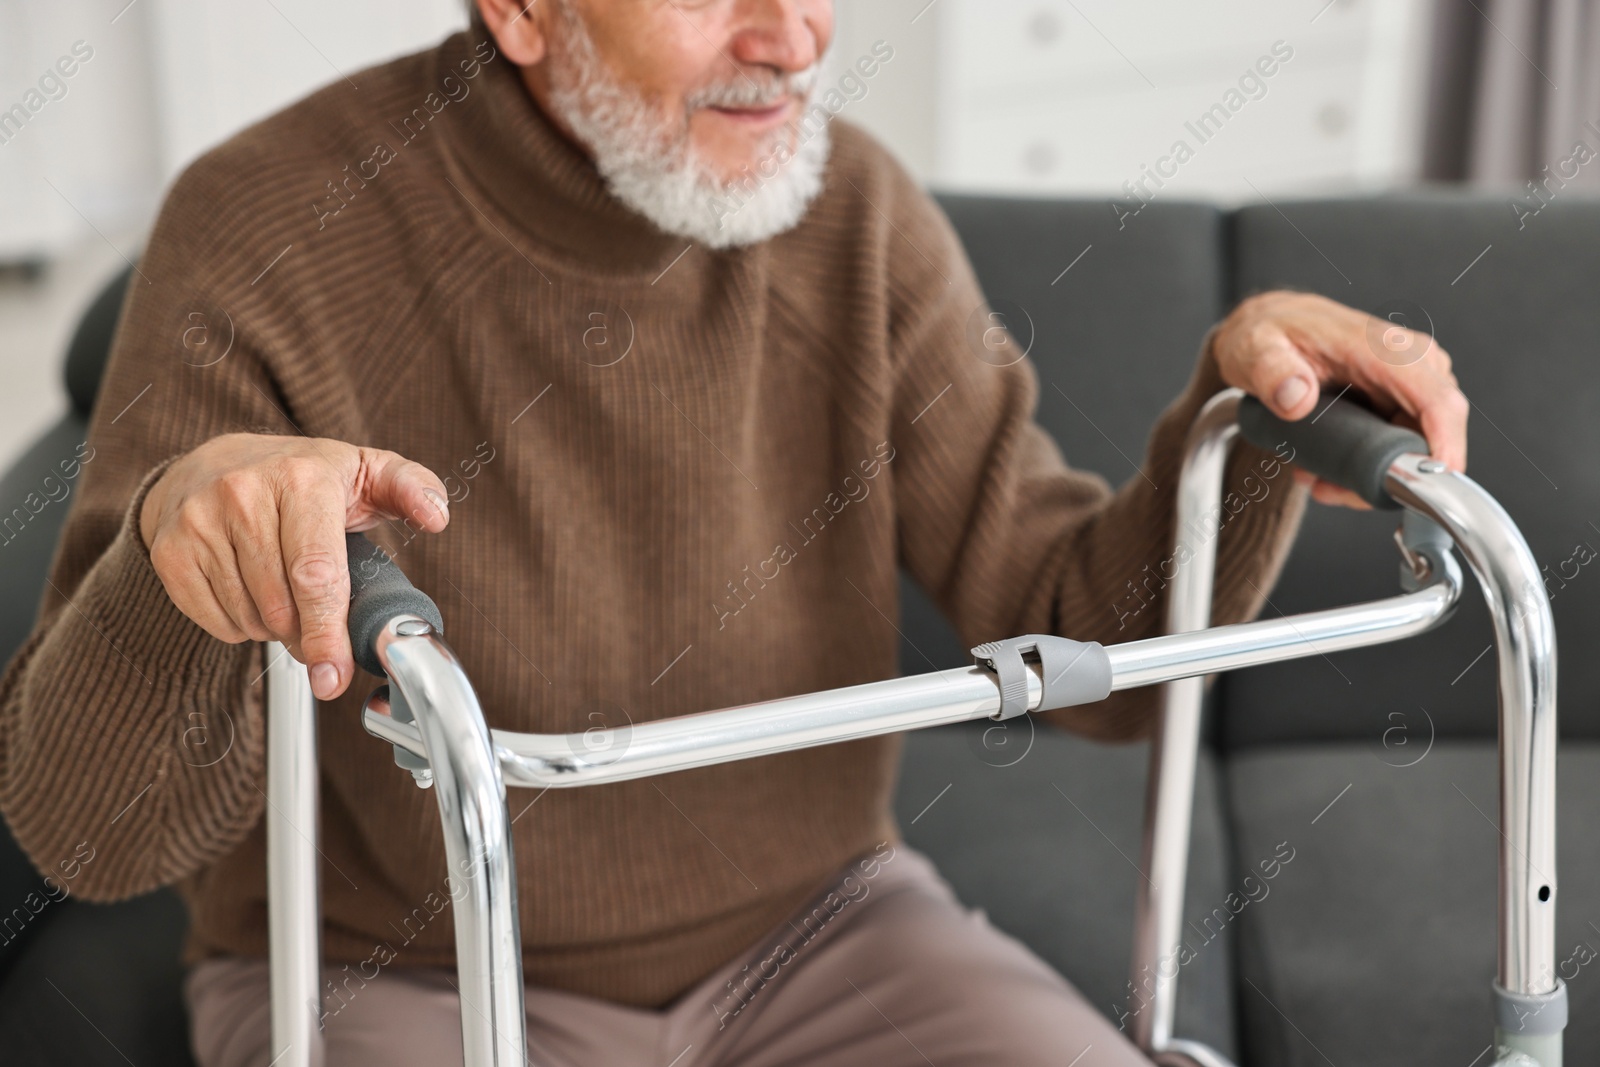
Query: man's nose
(788, 35)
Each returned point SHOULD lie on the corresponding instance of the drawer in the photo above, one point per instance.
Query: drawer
(1119, 44)
(1306, 128)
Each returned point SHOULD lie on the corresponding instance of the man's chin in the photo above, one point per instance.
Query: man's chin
(730, 148)
(766, 194)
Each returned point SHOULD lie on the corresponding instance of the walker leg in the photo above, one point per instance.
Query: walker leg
(477, 838)
(294, 924)
(1174, 753)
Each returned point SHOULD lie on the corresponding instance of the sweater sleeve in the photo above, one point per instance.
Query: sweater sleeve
(1007, 538)
(127, 733)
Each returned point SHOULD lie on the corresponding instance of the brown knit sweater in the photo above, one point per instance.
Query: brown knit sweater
(680, 480)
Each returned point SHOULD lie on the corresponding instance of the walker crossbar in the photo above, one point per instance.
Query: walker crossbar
(431, 716)
(899, 704)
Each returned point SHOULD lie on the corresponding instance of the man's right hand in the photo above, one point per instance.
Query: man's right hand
(247, 535)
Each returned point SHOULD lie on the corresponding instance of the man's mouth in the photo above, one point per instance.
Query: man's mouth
(760, 117)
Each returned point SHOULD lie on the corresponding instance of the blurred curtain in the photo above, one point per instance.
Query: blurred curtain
(1514, 86)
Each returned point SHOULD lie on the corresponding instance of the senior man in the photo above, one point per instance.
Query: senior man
(653, 376)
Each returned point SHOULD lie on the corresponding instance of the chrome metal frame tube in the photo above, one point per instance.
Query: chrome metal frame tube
(896, 705)
(595, 756)
(477, 837)
(1183, 1053)
(1175, 656)
(294, 921)
(891, 706)
(1525, 643)
(1175, 744)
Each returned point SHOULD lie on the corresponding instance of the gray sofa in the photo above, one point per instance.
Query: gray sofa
(1375, 943)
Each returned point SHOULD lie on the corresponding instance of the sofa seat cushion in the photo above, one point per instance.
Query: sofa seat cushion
(1377, 944)
(99, 987)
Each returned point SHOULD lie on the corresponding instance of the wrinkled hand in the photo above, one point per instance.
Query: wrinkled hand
(1285, 348)
(247, 535)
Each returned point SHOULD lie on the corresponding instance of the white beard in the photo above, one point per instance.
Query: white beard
(651, 165)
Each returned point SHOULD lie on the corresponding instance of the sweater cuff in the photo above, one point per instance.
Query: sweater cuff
(125, 600)
(1206, 381)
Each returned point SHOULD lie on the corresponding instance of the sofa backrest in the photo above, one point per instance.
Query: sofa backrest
(1513, 302)
(90, 346)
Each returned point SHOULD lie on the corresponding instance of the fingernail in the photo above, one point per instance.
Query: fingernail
(1290, 393)
(439, 502)
(324, 680)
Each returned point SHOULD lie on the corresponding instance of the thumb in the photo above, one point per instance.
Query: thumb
(389, 486)
(1281, 376)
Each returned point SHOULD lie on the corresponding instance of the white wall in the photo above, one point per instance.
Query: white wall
(899, 105)
(82, 177)
(223, 64)
(165, 80)
(87, 159)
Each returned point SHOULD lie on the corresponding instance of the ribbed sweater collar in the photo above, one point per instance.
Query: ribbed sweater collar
(518, 168)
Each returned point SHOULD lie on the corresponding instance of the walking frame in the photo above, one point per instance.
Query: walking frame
(431, 716)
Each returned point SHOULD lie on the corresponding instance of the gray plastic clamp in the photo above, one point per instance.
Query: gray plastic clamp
(403, 757)
(1422, 541)
(1531, 1013)
(1074, 672)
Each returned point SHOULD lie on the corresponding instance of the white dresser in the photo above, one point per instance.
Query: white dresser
(1082, 96)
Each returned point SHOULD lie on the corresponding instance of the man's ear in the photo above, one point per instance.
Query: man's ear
(518, 27)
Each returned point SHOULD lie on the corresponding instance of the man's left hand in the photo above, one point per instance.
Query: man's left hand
(1285, 348)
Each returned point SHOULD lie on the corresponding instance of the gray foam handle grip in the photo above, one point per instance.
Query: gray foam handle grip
(1340, 441)
(379, 591)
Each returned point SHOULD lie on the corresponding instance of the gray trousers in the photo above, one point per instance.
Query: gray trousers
(885, 969)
